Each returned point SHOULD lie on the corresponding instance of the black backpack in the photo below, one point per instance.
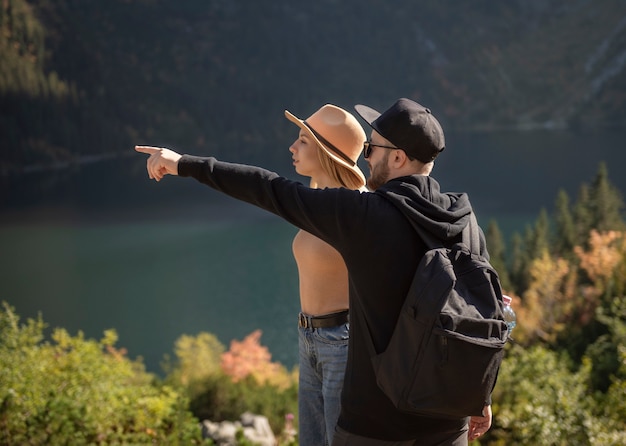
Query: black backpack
(443, 357)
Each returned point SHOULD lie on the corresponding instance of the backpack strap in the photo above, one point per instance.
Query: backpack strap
(470, 235)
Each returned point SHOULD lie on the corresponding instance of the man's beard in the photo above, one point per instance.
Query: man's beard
(379, 174)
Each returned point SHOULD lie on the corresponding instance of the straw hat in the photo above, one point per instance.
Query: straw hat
(338, 133)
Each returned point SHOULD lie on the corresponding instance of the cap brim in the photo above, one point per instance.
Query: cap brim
(367, 113)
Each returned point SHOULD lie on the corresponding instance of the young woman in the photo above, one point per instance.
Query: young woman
(326, 151)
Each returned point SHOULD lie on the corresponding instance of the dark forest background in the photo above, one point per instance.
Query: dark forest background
(83, 81)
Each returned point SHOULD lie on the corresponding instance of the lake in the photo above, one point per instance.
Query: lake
(91, 250)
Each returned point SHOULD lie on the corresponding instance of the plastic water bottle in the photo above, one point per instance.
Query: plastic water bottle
(509, 314)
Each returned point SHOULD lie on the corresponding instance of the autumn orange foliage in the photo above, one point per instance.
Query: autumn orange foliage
(250, 358)
(606, 251)
(545, 303)
(604, 261)
(559, 295)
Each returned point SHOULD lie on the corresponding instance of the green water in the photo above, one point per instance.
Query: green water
(154, 281)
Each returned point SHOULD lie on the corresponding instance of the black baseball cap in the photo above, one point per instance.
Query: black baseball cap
(409, 126)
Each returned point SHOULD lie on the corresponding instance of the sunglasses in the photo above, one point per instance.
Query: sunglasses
(367, 148)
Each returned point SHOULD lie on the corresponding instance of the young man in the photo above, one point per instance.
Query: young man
(373, 233)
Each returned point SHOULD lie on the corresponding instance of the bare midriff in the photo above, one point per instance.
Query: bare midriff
(323, 275)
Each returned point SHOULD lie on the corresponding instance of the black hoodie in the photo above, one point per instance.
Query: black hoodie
(375, 234)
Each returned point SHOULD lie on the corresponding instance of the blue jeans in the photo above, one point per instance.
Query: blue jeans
(323, 355)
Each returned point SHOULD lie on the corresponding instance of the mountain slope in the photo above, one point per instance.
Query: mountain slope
(93, 78)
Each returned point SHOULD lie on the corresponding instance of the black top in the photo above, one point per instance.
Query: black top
(373, 233)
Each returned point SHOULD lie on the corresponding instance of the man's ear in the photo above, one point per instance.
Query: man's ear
(399, 159)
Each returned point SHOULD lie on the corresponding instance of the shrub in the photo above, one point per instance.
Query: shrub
(539, 401)
(78, 391)
(608, 427)
(230, 383)
(218, 398)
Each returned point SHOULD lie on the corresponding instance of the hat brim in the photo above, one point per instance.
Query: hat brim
(354, 170)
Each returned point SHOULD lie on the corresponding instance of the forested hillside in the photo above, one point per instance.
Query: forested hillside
(87, 80)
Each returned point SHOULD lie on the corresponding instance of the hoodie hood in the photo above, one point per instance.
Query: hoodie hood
(442, 216)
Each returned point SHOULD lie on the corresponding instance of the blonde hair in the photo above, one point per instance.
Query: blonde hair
(337, 172)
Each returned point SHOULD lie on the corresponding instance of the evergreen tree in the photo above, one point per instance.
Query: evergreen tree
(583, 215)
(518, 264)
(540, 236)
(536, 240)
(565, 230)
(606, 203)
(497, 248)
(598, 207)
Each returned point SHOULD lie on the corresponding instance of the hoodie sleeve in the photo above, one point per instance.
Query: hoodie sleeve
(318, 211)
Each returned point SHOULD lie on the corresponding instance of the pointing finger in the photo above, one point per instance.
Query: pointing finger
(148, 149)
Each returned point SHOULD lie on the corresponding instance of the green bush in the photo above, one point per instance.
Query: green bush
(539, 401)
(608, 426)
(218, 398)
(72, 390)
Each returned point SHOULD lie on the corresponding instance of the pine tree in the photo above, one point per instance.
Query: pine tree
(535, 242)
(565, 230)
(540, 236)
(518, 264)
(606, 203)
(497, 248)
(583, 215)
(598, 207)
